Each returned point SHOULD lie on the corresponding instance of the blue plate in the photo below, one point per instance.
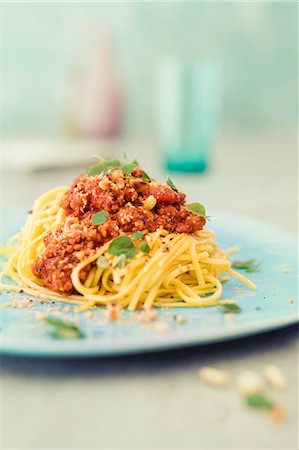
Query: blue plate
(272, 306)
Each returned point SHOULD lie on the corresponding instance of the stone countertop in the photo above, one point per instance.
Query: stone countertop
(156, 401)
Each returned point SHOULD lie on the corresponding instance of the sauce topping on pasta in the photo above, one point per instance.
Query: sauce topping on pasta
(128, 202)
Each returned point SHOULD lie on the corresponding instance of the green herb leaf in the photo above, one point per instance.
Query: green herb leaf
(197, 208)
(129, 167)
(122, 244)
(100, 217)
(137, 235)
(259, 400)
(120, 261)
(145, 177)
(102, 262)
(249, 265)
(170, 183)
(63, 330)
(230, 308)
(102, 167)
(144, 247)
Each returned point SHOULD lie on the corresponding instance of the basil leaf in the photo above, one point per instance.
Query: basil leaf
(144, 247)
(120, 261)
(249, 265)
(96, 169)
(170, 183)
(102, 167)
(259, 400)
(145, 176)
(197, 208)
(122, 244)
(63, 330)
(102, 262)
(137, 235)
(100, 217)
(129, 167)
(112, 164)
(230, 308)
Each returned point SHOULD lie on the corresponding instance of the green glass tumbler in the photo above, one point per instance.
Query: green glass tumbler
(188, 105)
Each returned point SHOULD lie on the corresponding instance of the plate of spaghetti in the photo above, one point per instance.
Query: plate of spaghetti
(119, 262)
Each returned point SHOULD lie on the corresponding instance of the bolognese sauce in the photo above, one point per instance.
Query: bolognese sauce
(133, 204)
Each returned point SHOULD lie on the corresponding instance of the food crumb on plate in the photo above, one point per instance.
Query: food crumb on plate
(112, 313)
(161, 327)
(275, 377)
(40, 315)
(181, 319)
(277, 414)
(230, 317)
(249, 382)
(214, 377)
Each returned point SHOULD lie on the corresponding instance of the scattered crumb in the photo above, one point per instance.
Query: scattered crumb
(181, 319)
(292, 300)
(40, 315)
(161, 327)
(286, 270)
(230, 317)
(149, 315)
(89, 314)
(214, 377)
(275, 377)
(15, 302)
(249, 382)
(56, 312)
(112, 313)
(67, 309)
(238, 290)
(277, 414)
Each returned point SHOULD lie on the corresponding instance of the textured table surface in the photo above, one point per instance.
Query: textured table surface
(156, 400)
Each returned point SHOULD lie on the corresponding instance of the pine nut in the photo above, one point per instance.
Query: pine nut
(150, 202)
(214, 377)
(105, 184)
(249, 382)
(275, 377)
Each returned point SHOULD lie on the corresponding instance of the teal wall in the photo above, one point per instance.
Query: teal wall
(46, 47)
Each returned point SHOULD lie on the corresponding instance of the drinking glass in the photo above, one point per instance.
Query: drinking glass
(188, 100)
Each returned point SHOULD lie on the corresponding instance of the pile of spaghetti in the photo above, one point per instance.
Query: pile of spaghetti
(118, 237)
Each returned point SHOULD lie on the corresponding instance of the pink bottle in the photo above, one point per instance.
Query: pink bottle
(100, 106)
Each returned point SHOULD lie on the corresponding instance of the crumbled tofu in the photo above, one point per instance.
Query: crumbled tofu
(230, 317)
(181, 319)
(214, 377)
(161, 327)
(149, 315)
(40, 315)
(275, 377)
(112, 313)
(249, 382)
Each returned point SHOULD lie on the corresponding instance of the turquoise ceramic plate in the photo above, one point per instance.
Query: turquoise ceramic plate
(272, 306)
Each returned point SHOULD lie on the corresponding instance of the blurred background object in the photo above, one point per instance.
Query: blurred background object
(45, 55)
(81, 79)
(188, 98)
